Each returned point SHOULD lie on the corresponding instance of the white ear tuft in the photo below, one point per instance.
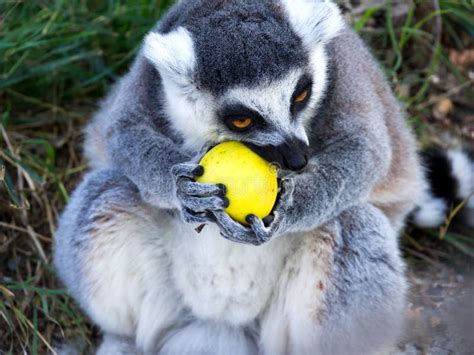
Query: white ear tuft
(315, 21)
(172, 54)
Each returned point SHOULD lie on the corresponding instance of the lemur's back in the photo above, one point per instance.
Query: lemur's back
(401, 188)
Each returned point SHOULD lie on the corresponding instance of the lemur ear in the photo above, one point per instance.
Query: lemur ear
(172, 54)
(315, 21)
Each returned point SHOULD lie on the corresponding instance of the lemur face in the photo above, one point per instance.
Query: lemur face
(249, 72)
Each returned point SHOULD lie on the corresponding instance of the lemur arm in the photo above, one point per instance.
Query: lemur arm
(351, 142)
(341, 175)
(142, 145)
(146, 157)
(138, 139)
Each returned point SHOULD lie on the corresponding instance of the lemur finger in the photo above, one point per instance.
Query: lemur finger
(195, 217)
(255, 223)
(187, 170)
(232, 230)
(189, 187)
(202, 204)
(241, 239)
(227, 223)
(261, 232)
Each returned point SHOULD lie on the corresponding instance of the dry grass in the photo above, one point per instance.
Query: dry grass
(57, 59)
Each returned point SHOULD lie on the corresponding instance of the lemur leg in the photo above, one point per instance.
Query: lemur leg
(117, 345)
(111, 252)
(210, 338)
(342, 292)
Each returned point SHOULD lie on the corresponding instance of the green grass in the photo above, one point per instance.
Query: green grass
(58, 51)
(57, 58)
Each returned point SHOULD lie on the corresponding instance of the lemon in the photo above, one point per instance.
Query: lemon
(250, 181)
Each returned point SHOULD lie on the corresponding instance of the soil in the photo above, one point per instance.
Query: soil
(440, 316)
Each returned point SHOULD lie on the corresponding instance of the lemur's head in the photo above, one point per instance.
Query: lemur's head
(246, 70)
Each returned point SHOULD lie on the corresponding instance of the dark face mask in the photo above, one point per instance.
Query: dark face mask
(291, 155)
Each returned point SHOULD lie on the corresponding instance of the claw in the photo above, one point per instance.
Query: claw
(226, 202)
(249, 218)
(198, 171)
(223, 188)
(268, 220)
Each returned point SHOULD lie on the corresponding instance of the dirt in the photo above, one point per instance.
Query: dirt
(440, 316)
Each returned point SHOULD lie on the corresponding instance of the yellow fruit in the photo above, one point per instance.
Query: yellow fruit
(250, 180)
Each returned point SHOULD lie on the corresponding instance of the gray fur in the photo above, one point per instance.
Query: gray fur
(361, 180)
(208, 338)
(91, 200)
(366, 282)
(117, 345)
(363, 296)
(237, 42)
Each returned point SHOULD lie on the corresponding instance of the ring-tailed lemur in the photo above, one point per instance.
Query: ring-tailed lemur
(323, 274)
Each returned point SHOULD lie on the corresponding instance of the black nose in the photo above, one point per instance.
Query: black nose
(295, 160)
(291, 155)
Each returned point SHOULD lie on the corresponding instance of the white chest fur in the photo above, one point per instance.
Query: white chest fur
(225, 281)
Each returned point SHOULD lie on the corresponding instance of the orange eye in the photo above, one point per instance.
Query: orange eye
(301, 96)
(242, 123)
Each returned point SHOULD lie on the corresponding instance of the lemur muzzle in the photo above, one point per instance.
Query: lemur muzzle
(291, 155)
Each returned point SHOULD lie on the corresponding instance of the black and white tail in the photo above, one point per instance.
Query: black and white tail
(450, 174)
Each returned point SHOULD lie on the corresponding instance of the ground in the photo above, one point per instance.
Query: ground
(57, 59)
(441, 312)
